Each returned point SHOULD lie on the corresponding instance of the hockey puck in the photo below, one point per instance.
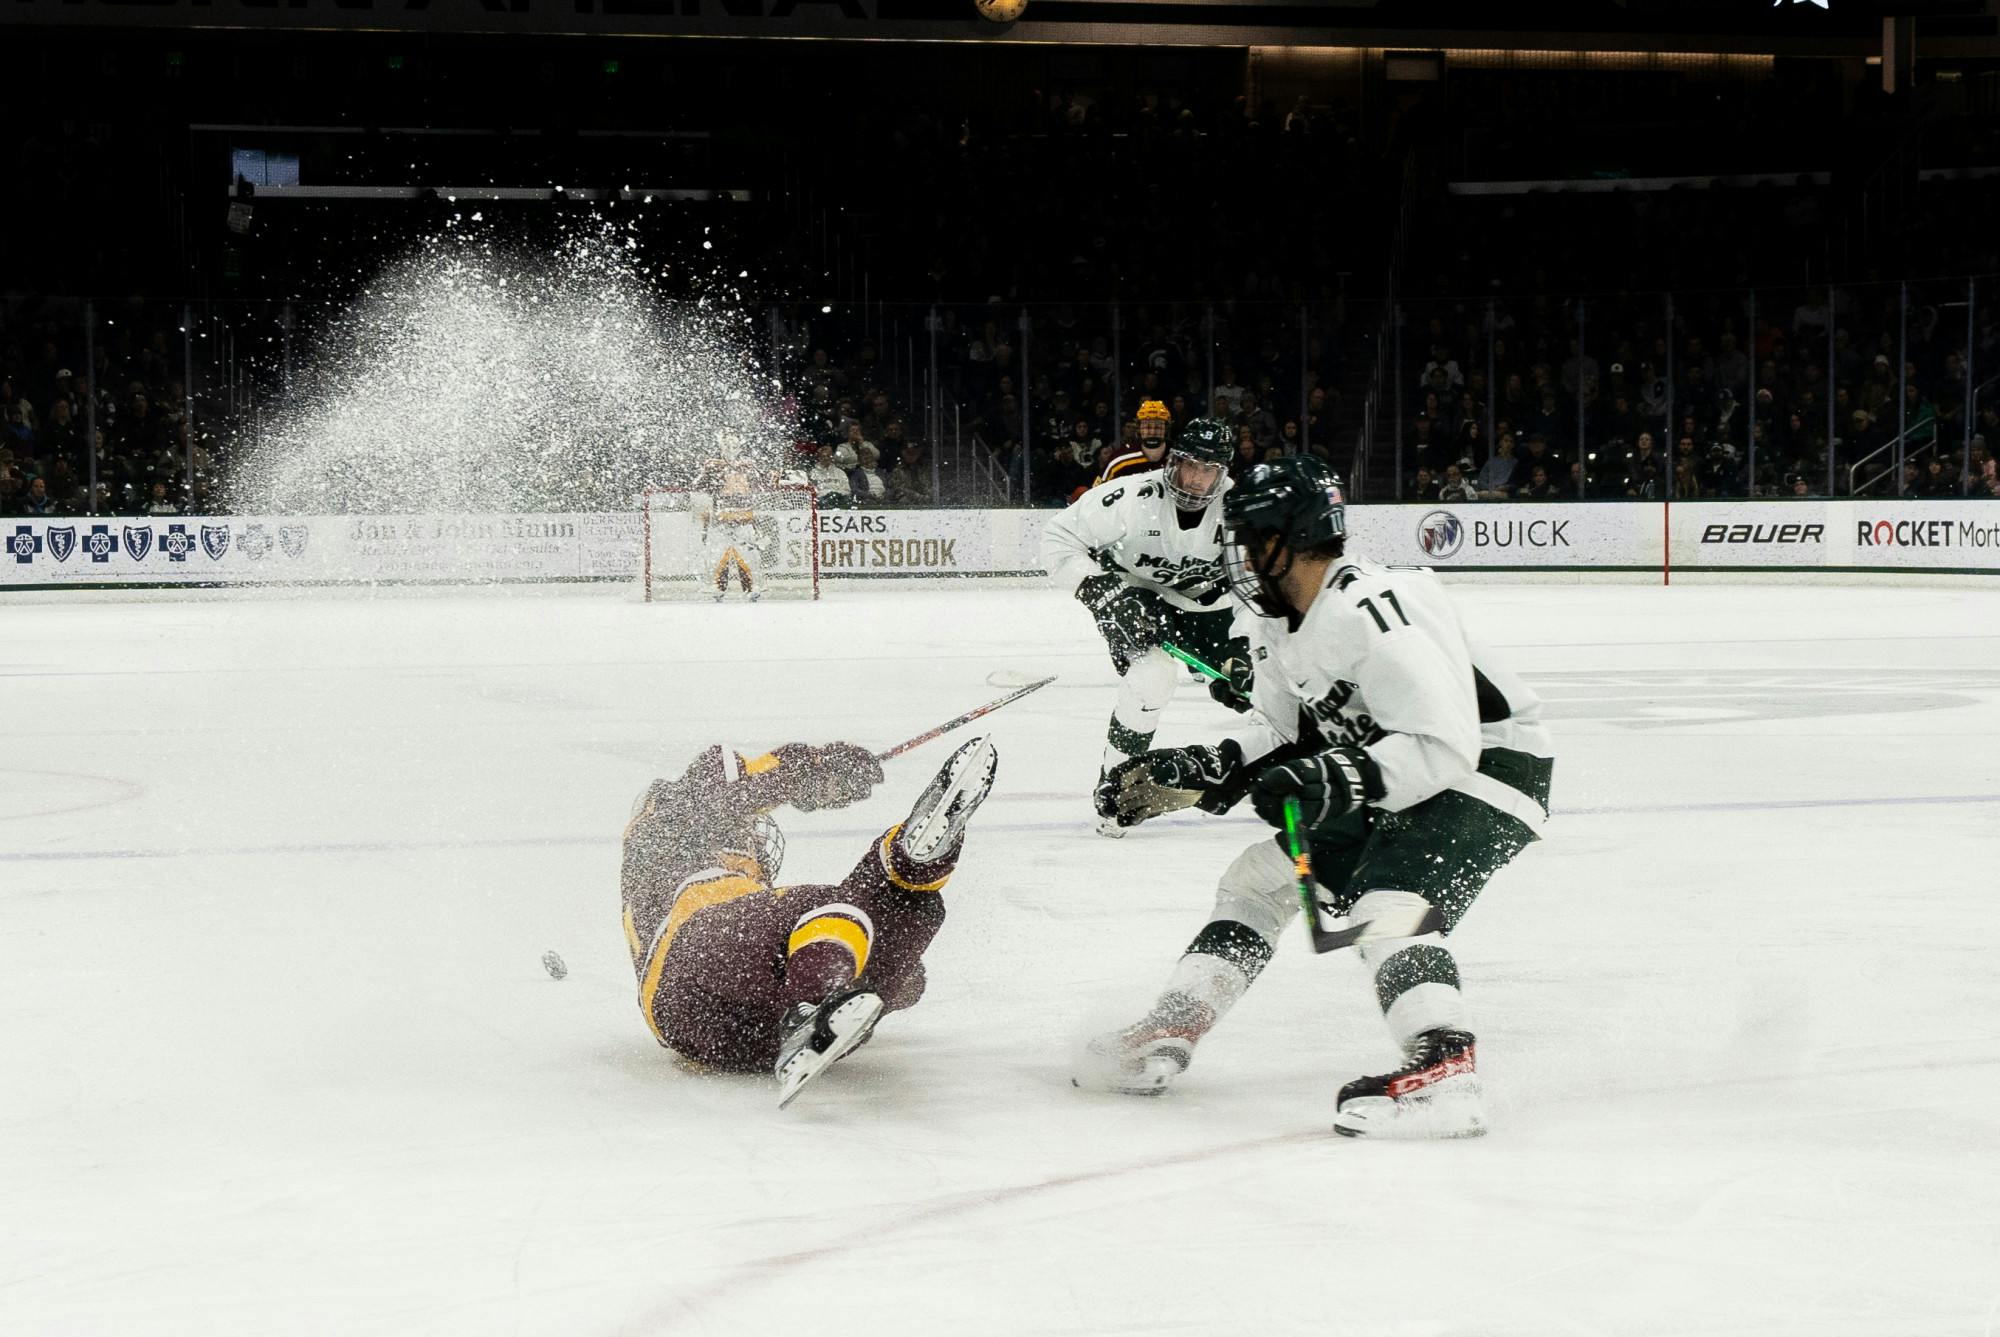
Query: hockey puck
(553, 963)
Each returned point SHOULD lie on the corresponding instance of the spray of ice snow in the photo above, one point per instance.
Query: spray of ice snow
(470, 376)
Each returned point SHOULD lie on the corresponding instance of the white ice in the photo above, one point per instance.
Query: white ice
(278, 1053)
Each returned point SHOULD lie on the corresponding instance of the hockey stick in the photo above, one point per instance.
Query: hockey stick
(1209, 671)
(966, 718)
(1302, 870)
(1402, 924)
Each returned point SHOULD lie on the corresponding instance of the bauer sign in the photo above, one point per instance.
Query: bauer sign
(1815, 534)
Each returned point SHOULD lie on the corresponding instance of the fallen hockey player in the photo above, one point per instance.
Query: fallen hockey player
(739, 973)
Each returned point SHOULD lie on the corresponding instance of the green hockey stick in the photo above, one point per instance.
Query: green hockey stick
(1302, 870)
(1206, 670)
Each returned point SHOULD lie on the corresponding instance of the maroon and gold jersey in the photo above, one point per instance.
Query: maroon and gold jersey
(1131, 462)
(719, 952)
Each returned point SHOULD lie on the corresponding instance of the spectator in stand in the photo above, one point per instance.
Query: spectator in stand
(869, 487)
(1618, 425)
(1546, 420)
(1263, 424)
(1496, 476)
(37, 501)
(19, 432)
(910, 480)
(1800, 487)
(1537, 457)
(1645, 470)
(1425, 486)
(1732, 365)
(1318, 425)
(1686, 454)
(829, 481)
(1470, 441)
(1920, 418)
(1456, 487)
(159, 503)
(1988, 483)
(1538, 487)
(61, 438)
(1247, 453)
(1077, 459)
(1718, 470)
(1911, 483)
(1939, 481)
(1227, 401)
(1687, 484)
(1652, 394)
(892, 441)
(855, 439)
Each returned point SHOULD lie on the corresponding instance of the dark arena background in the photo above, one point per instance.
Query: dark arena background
(429, 423)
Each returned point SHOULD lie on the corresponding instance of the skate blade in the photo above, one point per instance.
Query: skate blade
(969, 777)
(1445, 1112)
(1108, 828)
(1156, 1073)
(851, 1023)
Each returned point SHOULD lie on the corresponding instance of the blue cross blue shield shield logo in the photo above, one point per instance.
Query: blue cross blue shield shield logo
(138, 541)
(62, 542)
(215, 540)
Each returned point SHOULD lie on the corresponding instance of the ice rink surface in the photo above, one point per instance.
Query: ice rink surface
(278, 1055)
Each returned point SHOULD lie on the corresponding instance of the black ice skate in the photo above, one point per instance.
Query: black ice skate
(1436, 1094)
(811, 1039)
(1105, 799)
(938, 818)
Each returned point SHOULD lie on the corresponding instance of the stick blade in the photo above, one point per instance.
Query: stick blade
(1398, 924)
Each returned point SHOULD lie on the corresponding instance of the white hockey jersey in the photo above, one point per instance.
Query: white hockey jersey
(1382, 663)
(1131, 527)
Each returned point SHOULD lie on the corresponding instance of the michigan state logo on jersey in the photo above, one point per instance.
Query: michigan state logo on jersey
(1198, 578)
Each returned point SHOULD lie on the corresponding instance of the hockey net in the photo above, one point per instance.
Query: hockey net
(690, 547)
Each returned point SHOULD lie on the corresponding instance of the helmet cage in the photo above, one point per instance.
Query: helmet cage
(1181, 496)
(1256, 582)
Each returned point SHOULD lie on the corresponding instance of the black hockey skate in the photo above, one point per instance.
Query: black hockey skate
(1435, 1095)
(811, 1039)
(1104, 798)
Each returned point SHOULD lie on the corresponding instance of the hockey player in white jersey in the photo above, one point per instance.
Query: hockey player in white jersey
(1144, 554)
(1420, 767)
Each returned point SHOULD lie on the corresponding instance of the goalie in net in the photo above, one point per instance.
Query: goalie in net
(737, 531)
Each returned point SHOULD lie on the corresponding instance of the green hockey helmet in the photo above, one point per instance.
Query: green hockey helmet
(1205, 445)
(1298, 500)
